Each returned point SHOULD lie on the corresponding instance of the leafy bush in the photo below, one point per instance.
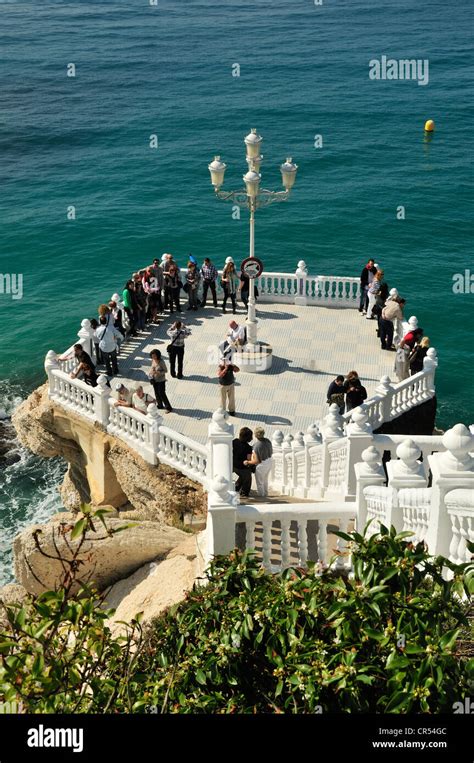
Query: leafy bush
(381, 640)
(57, 653)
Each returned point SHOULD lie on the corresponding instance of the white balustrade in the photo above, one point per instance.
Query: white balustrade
(67, 362)
(280, 533)
(134, 428)
(184, 454)
(73, 394)
(338, 452)
(379, 500)
(392, 400)
(460, 507)
(415, 504)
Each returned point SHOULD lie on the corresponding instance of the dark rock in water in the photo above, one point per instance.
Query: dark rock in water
(9, 444)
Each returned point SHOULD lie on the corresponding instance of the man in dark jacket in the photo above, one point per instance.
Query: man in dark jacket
(241, 450)
(366, 277)
(335, 393)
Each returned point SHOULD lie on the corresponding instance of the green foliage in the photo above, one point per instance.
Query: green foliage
(57, 653)
(381, 640)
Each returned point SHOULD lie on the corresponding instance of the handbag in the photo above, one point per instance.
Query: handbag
(174, 340)
(186, 287)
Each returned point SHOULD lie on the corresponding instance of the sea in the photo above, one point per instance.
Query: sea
(111, 111)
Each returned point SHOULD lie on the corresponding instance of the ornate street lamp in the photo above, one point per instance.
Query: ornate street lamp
(253, 197)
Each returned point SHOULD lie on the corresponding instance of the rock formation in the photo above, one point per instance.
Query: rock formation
(103, 470)
(156, 586)
(104, 558)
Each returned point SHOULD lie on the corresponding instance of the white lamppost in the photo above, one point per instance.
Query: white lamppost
(253, 197)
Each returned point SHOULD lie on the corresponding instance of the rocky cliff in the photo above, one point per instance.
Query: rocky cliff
(151, 564)
(102, 469)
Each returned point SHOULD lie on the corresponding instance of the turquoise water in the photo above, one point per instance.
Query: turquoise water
(167, 70)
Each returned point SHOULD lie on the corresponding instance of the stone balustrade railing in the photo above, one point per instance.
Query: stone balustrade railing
(183, 454)
(302, 289)
(442, 516)
(137, 429)
(460, 507)
(379, 501)
(391, 400)
(297, 463)
(415, 504)
(292, 534)
(76, 395)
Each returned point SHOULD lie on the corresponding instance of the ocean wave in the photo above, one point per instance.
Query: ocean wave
(28, 484)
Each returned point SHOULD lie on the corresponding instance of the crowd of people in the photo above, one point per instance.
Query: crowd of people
(146, 297)
(378, 302)
(156, 290)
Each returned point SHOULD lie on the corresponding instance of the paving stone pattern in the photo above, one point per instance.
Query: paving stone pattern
(311, 345)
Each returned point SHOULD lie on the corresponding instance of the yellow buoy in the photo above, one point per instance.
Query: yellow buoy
(429, 125)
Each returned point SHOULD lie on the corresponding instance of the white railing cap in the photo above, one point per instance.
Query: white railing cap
(460, 498)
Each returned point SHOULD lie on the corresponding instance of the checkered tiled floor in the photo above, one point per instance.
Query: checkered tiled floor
(311, 345)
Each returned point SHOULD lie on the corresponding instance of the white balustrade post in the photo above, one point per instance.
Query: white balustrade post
(298, 483)
(385, 391)
(312, 439)
(154, 420)
(101, 400)
(368, 472)
(276, 475)
(451, 469)
(301, 279)
(222, 499)
(287, 479)
(51, 364)
(407, 472)
(86, 335)
(360, 437)
(430, 364)
(332, 429)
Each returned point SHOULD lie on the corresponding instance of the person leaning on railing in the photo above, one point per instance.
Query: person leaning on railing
(141, 400)
(391, 312)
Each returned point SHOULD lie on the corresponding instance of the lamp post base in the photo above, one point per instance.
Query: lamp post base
(254, 358)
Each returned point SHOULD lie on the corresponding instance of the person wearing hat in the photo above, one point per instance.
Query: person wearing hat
(230, 283)
(122, 395)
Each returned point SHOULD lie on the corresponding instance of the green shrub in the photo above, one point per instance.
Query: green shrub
(57, 653)
(381, 640)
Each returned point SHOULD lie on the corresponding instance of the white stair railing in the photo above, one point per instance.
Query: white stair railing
(281, 533)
